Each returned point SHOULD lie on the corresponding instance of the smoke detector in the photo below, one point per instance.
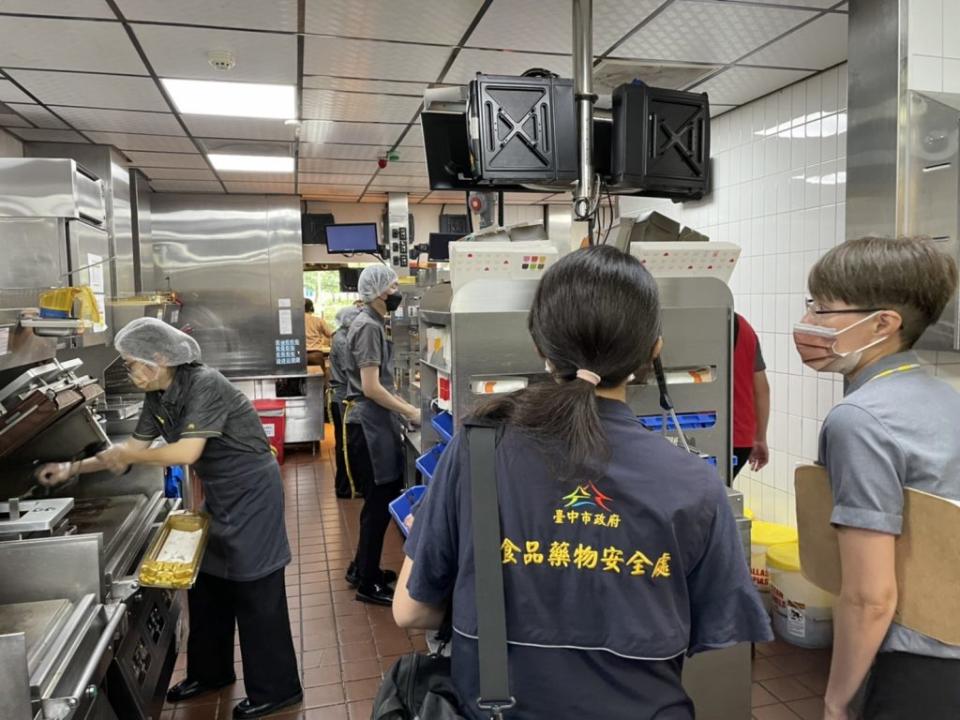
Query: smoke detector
(222, 60)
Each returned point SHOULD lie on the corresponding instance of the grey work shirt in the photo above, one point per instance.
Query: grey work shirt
(368, 347)
(241, 479)
(892, 431)
(339, 363)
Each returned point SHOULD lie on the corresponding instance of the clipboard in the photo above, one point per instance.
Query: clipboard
(927, 554)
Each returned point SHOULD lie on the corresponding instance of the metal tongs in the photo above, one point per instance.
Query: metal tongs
(666, 404)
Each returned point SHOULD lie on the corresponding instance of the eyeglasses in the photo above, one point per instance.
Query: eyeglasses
(810, 306)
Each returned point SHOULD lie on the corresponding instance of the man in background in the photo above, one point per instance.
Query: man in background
(751, 399)
(318, 335)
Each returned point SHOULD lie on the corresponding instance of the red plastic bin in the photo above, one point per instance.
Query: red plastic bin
(273, 417)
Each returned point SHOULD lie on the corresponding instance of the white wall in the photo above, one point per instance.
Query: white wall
(9, 145)
(779, 193)
(933, 43)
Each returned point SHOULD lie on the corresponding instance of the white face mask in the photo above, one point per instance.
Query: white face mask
(817, 346)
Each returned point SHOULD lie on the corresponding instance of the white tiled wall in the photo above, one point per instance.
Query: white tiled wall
(780, 192)
(934, 46)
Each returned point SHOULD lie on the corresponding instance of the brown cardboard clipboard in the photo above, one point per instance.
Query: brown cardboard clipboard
(927, 554)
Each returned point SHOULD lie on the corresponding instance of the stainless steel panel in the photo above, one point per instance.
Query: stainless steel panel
(55, 567)
(14, 678)
(932, 183)
(233, 261)
(877, 72)
(141, 220)
(89, 254)
(48, 188)
(718, 682)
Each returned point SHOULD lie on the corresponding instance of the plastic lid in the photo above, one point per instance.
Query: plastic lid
(768, 533)
(784, 557)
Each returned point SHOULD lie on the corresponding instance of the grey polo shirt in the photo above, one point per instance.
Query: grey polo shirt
(895, 428)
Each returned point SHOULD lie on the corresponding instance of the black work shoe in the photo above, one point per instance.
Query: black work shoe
(246, 710)
(187, 689)
(375, 594)
(387, 577)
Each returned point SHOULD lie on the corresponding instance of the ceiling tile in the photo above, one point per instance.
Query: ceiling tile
(178, 174)
(230, 176)
(396, 87)
(49, 43)
(181, 52)
(281, 188)
(331, 105)
(404, 167)
(158, 143)
(397, 183)
(821, 4)
(372, 59)
(322, 131)
(87, 89)
(370, 197)
(447, 195)
(335, 178)
(545, 25)
(11, 93)
(433, 21)
(42, 135)
(39, 116)
(278, 148)
(320, 189)
(328, 165)
(717, 110)
(241, 128)
(11, 120)
(494, 62)
(414, 139)
(739, 85)
(166, 160)
(819, 45)
(710, 32)
(337, 151)
(74, 8)
(186, 186)
(120, 120)
(278, 15)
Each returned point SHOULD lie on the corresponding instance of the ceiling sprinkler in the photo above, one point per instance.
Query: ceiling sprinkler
(222, 59)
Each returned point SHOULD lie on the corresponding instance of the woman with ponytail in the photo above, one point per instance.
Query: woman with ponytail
(620, 553)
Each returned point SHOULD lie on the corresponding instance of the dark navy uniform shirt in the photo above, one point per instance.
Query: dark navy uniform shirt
(609, 582)
(241, 479)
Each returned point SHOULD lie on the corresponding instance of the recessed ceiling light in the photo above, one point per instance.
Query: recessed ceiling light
(233, 99)
(251, 163)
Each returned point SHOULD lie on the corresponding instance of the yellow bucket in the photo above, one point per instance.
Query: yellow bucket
(59, 303)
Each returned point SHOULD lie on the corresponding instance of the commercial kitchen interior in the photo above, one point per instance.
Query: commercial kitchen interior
(810, 104)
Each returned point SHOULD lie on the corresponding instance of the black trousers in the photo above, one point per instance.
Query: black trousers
(903, 686)
(742, 454)
(375, 516)
(259, 610)
(342, 483)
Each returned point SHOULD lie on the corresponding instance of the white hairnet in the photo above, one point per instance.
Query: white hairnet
(346, 315)
(374, 281)
(153, 341)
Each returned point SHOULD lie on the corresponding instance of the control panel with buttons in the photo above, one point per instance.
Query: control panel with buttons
(288, 351)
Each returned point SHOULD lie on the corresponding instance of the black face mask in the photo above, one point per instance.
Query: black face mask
(393, 301)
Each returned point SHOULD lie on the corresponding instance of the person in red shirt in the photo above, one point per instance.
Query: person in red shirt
(751, 399)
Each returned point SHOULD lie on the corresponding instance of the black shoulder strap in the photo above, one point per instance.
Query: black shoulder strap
(491, 617)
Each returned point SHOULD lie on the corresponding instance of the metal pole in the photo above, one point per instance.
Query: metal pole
(583, 92)
(500, 209)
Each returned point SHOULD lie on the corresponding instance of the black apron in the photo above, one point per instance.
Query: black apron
(248, 539)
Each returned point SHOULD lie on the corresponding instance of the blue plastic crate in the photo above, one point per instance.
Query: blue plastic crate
(688, 421)
(406, 504)
(427, 463)
(443, 424)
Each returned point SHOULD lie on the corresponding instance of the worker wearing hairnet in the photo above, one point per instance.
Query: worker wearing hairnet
(343, 484)
(209, 424)
(373, 416)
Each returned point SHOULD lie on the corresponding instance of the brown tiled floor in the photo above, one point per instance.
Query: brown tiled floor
(345, 647)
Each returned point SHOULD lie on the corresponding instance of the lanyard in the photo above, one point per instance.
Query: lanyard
(894, 371)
